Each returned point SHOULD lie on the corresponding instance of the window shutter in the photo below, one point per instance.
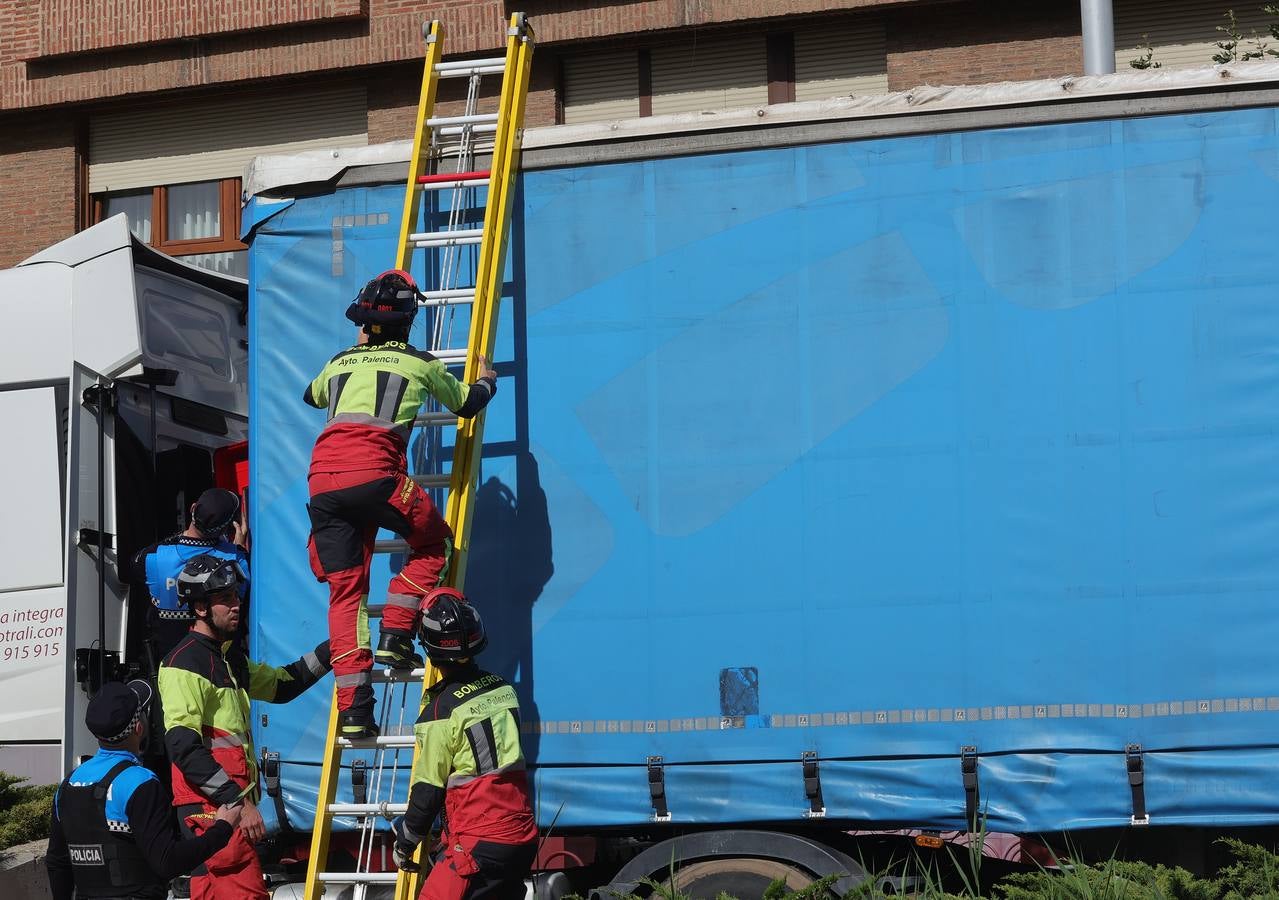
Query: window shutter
(841, 59)
(600, 87)
(1183, 33)
(216, 138)
(714, 74)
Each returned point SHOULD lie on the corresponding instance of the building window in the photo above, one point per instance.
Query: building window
(842, 57)
(197, 222)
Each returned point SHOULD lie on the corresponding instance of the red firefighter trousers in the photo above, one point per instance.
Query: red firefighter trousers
(468, 868)
(234, 872)
(347, 509)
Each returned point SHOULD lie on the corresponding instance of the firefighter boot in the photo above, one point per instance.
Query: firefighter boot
(395, 649)
(358, 723)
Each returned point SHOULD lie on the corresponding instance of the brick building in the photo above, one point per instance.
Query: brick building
(153, 107)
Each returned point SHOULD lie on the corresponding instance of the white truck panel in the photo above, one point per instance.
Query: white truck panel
(31, 529)
(33, 655)
(37, 306)
(99, 295)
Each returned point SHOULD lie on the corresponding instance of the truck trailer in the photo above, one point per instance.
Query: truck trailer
(857, 466)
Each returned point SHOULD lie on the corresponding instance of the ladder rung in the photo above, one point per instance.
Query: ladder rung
(453, 176)
(449, 177)
(443, 419)
(450, 357)
(433, 479)
(398, 545)
(473, 119)
(455, 130)
(368, 809)
(357, 877)
(390, 740)
(464, 66)
(451, 297)
(454, 185)
(443, 238)
(397, 676)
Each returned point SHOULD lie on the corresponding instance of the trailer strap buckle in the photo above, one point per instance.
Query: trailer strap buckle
(657, 789)
(812, 785)
(359, 781)
(271, 772)
(972, 795)
(1137, 783)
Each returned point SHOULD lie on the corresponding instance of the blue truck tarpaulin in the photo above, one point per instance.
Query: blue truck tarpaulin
(875, 449)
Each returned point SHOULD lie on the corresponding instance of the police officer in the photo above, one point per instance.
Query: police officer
(470, 764)
(216, 529)
(206, 683)
(113, 832)
(359, 482)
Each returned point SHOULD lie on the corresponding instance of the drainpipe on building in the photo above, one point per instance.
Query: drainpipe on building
(1098, 21)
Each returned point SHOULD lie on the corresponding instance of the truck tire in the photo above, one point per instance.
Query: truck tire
(740, 862)
(739, 876)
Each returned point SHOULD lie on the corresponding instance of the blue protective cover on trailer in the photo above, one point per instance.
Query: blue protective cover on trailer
(876, 449)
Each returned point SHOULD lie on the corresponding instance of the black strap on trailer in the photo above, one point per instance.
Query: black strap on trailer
(360, 781)
(271, 776)
(657, 789)
(1137, 783)
(813, 784)
(972, 797)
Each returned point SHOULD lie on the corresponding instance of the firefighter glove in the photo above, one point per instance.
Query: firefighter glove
(403, 855)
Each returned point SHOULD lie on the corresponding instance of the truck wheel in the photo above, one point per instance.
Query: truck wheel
(737, 877)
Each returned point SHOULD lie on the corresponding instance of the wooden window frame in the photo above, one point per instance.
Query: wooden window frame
(229, 215)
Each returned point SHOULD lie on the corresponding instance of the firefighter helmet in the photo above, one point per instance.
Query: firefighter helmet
(451, 628)
(389, 299)
(206, 575)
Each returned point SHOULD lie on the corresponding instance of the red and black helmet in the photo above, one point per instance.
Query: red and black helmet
(389, 299)
(451, 628)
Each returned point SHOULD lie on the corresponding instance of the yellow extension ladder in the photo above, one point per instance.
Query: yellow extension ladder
(381, 785)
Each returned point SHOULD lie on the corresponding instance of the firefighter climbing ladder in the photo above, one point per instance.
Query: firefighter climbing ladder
(380, 787)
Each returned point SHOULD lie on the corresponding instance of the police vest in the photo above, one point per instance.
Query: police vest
(165, 562)
(105, 860)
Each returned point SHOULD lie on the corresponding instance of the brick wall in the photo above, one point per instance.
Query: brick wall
(390, 33)
(37, 183)
(76, 26)
(980, 42)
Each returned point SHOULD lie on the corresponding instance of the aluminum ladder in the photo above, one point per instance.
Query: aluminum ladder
(445, 149)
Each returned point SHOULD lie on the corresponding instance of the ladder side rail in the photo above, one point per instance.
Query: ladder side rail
(330, 771)
(489, 280)
(488, 290)
(313, 888)
(420, 158)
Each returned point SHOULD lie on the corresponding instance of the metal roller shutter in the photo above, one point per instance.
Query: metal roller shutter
(841, 59)
(600, 87)
(718, 74)
(172, 144)
(1182, 32)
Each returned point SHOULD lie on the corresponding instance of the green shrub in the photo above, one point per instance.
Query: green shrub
(25, 810)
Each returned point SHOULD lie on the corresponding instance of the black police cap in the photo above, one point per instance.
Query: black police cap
(116, 708)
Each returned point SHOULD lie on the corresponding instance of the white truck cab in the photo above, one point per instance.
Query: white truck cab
(126, 370)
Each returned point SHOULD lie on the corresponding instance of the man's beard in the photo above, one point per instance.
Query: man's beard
(223, 634)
